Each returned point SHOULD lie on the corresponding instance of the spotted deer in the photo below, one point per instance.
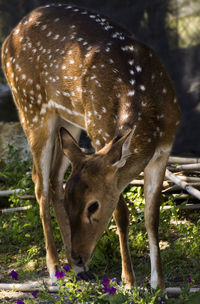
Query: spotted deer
(69, 70)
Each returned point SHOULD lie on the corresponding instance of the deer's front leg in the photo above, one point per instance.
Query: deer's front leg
(42, 156)
(122, 220)
(153, 180)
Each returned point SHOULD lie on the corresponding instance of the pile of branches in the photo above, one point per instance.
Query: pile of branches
(182, 180)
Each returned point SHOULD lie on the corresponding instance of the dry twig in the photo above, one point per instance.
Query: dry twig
(182, 184)
(183, 160)
(17, 209)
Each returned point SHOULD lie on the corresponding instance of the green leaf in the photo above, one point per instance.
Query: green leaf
(194, 298)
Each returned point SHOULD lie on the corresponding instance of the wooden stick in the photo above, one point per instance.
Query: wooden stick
(177, 188)
(177, 171)
(26, 287)
(192, 179)
(189, 167)
(137, 182)
(181, 197)
(140, 182)
(183, 160)
(17, 209)
(182, 184)
(187, 207)
(171, 189)
(4, 193)
(175, 291)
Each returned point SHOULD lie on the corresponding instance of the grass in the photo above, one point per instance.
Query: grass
(22, 248)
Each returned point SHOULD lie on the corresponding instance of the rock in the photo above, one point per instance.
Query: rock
(12, 133)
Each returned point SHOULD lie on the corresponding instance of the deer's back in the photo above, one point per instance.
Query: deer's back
(66, 61)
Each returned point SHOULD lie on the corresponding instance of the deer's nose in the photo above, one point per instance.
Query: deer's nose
(77, 259)
(80, 261)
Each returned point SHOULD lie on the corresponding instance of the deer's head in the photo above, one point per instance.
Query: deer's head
(91, 193)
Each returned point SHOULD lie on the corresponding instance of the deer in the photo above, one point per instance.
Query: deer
(70, 69)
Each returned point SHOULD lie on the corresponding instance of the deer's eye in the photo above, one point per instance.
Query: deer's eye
(93, 208)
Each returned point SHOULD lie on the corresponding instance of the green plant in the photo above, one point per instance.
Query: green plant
(180, 247)
(13, 172)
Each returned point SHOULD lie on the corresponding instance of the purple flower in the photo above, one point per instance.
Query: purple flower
(112, 290)
(160, 300)
(105, 289)
(79, 290)
(60, 274)
(14, 275)
(20, 302)
(105, 282)
(66, 268)
(189, 280)
(35, 293)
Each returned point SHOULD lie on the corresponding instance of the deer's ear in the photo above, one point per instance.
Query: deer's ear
(120, 150)
(70, 147)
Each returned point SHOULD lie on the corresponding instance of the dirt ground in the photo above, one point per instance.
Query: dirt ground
(11, 296)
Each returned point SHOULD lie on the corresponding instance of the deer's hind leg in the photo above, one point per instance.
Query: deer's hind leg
(153, 179)
(41, 140)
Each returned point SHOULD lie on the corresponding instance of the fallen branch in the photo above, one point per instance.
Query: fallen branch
(181, 197)
(175, 179)
(4, 193)
(188, 206)
(192, 179)
(26, 287)
(137, 182)
(177, 188)
(189, 167)
(183, 160)
(177, 171)
(140, 182)
(176, 291)
(17, 209)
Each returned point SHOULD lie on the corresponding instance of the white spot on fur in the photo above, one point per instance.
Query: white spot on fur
(142, 87)
(138, 68)
(131, 62)
(16, 32)
(43, 27)
(35, 119)
(131, 93)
